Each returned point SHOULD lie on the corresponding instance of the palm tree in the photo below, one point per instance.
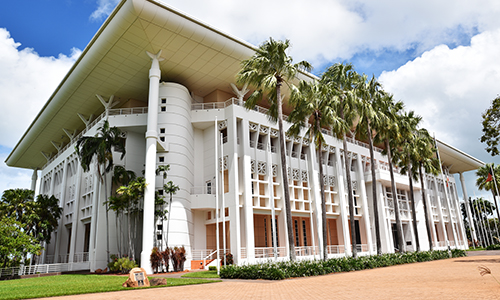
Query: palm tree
(406, 156)
(314, 107)
(132, 193)
(368, 92)
(99, 149)
(389, 133)
(267, 70)
(171, 189)
(427, 162)
(341, 80)
(483, 183)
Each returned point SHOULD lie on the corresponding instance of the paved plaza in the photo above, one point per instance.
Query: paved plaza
(456, 278)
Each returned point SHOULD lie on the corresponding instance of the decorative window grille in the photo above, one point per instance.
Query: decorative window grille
(262, 168)
(252, 166)
(275, 170)
(264, 129)
(223, 162)
(274, 132)
(222, 124)
(253, 126)
(296, 174)
(304, 176)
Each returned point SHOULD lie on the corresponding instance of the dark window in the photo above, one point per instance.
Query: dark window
(162, 138)
(163, 101)
(163, 108)
(161, 159)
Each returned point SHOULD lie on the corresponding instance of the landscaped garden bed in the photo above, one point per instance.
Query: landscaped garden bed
(304, 268)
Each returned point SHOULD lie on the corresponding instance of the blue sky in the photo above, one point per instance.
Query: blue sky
(440, 58)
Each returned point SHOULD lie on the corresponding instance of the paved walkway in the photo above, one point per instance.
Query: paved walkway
(456, 278)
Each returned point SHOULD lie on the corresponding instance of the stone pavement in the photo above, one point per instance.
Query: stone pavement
(456, 278)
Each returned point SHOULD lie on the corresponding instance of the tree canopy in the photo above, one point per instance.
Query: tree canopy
(491, 129)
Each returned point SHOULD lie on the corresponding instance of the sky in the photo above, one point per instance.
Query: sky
(441, 58)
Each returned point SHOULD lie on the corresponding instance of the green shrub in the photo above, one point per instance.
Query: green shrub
(121, 265)
(493, 247)
(303, 268)
(212, 268)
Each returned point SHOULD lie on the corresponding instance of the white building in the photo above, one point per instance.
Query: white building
(174, 118)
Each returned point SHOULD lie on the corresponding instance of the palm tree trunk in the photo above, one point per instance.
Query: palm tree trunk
(374, 192)
(129, 217)
(323, 203)
(168, 220)
(284, 173)
(426, 212)
(349, 190)
(413, 210)
(399, 226)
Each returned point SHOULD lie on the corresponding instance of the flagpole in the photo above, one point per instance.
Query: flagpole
(217, 197)
(495, 196)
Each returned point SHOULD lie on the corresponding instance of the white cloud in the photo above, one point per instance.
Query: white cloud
(13, 178)
(26, 82)
(104, 8)
(450, 88)
(326, 30)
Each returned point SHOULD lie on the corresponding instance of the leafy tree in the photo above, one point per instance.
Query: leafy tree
(99, 149)
(491, 129)
(37, 218)
(312, 105)
(368, 92)
(268, 70)
(341, 80)
(15, 243)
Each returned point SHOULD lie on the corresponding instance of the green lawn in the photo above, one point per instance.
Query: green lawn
(201, 274)
(72, 285)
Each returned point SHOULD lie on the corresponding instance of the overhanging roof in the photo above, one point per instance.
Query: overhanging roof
(115, 63)
(456, 160)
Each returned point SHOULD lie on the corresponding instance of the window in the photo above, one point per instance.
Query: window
(159, 227)
(163, 108)
(160, 192)
(209, 187)
(162, 130)
(297, 233)
(161, 159)
(162, 138)
(163, 101)
(304, 230)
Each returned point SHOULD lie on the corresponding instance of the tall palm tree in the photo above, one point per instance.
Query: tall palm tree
(389, 133)
(368, 92)
(427, 162)
(314, 111)
(267, 71)
(406, 157)
(169, 188)
(99, 149)
(341, 80)
(483, 183)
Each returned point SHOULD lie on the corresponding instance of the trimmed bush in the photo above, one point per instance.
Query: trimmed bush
(493, 247)
(304, 268)
(212, 268)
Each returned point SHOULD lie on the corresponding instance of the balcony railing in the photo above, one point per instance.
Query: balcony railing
(202, 190)
(335, 249)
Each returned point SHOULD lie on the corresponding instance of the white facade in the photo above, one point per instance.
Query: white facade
(177, 119)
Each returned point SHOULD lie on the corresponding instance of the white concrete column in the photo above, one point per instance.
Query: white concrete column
(34, 178)
(315, 188)
(95, 216)
(61, 204)
(76, 211)
(342, 202)
(364, 199)
(247, 193)
(233, 201)
(150, 166)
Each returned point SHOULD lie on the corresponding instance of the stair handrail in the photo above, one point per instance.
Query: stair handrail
(205, 259)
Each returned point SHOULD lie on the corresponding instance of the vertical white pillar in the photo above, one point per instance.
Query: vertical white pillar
(61, 204)
(94, 221)
(247, 194)
(342, 198)
(440, 212)
(364, 199)
(467, 209)
(150, 166)
(76, 210)
(34, 178)
(234, 206)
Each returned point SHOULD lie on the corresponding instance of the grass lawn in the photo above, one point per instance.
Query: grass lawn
(72, 285)
(201, 274)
